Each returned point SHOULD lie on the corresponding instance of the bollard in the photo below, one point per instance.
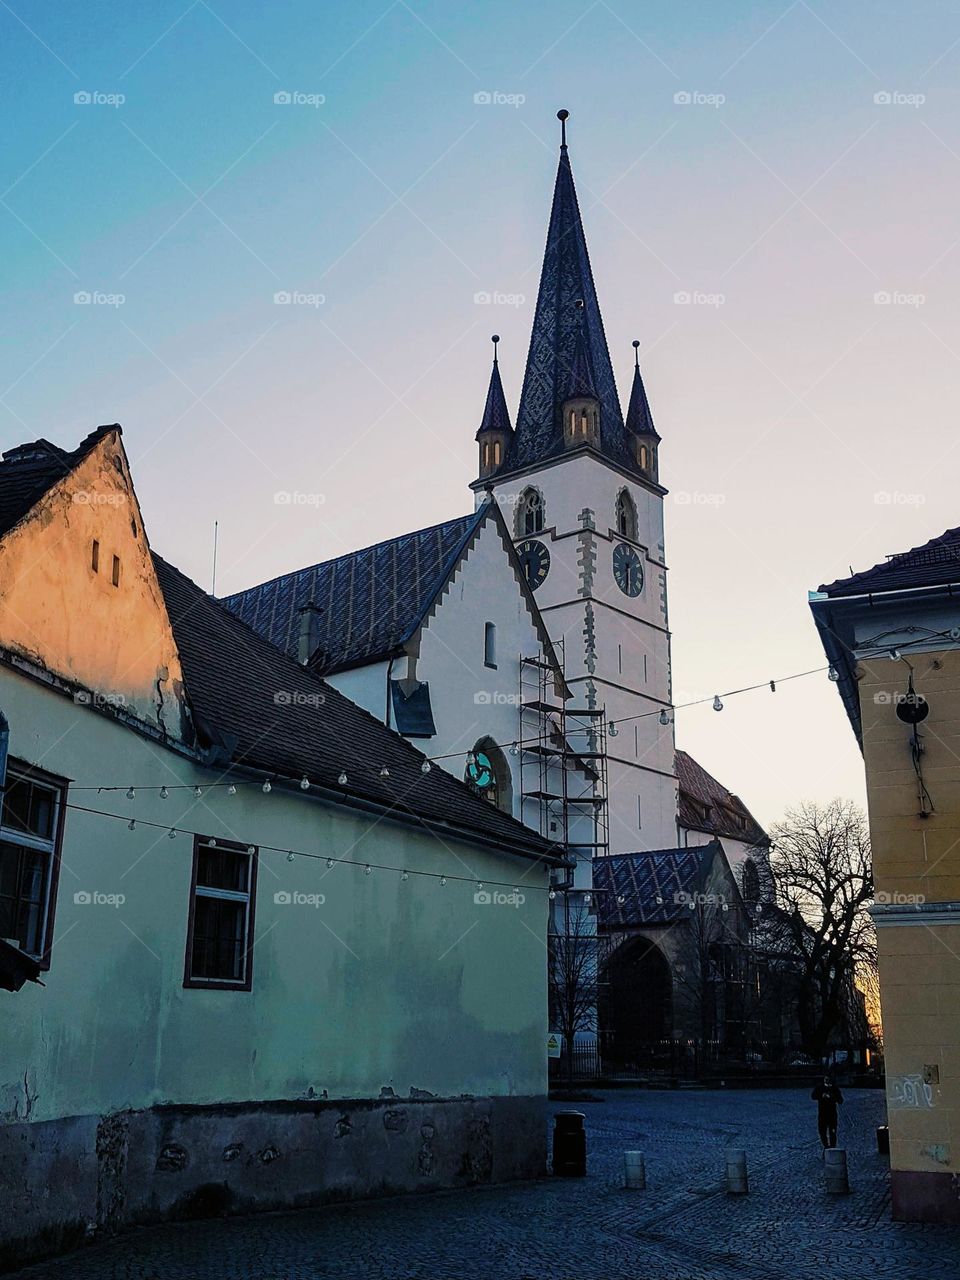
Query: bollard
(569, 1145)
(634, 1171)
(835, 1167)
(736, 1172)
(883, 1140)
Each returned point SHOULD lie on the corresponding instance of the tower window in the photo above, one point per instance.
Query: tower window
(490, 644)
(116, 571)
(530, 512)
(643, 457)
(95, 556)
(496, 453)
(626, 516)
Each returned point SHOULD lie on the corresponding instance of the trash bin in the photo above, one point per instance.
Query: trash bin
(569, 1145)
(883, 1139)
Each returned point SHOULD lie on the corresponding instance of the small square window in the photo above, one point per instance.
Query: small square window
(220, 925)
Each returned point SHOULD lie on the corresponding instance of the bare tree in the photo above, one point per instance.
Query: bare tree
(573, 971)
(821, 862)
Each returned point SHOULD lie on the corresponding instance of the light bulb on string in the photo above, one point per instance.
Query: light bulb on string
(211, 843)
(342, 779)
(198, 792)
(304, 783)
(552, 894)
(773, 686)
(479, 886)
(404, 875)
(132, 825)
(172, 833)
(384, 771)
(612, 728)
(164, 793)
(251, 850)
(664, 718)
(717, 704)
(426, 767)
(131, 793)
(514, 749)
(329, 864)
(894, 655)
(290, 856)
(266, 788)
(443, 880)
(368, 870)
(231, 790)
(833, 675)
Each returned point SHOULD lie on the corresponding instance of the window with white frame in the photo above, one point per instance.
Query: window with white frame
(30, 836)
(220, 925)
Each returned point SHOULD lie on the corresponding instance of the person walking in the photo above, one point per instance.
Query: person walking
(827, 1096)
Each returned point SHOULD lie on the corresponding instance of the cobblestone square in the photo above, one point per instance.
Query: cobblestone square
(683, 1227)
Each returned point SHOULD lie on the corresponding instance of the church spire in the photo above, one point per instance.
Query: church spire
(495, 431)
(643, 435)
(567, 337)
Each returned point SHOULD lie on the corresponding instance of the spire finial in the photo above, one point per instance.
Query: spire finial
(495, 338)
(563, 116)
(636, 352)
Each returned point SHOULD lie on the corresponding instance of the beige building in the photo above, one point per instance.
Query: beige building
(892, 635)
(282, 959)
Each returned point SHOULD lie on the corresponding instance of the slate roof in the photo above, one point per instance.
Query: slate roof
(285, 719)
(370, 601)
(565, 279)
(29, 470)
(639, 418)
(935, 563)
(649, 883)
(697, 787)
(496, 415)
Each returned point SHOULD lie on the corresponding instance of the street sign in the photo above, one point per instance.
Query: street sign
(554, 1044)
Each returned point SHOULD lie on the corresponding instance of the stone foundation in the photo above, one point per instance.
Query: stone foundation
(65, 1180)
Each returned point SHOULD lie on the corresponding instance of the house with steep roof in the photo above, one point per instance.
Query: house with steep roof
(891, 634)
(708, 811)
(269, 941)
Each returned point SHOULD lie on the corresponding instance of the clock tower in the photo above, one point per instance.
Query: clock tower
(580, 486)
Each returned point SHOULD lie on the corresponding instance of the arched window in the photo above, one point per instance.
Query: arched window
(488, 774)
(530, 513)
(496, 453)
(626, 516)
(751, 881)
(643, 457)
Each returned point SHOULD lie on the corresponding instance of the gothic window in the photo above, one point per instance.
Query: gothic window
(488, 774)
(530, 513)
(626, 516)
(496, 453)
(643, 457)
(751, 881)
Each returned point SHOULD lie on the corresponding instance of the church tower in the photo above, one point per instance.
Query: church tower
(581, 486)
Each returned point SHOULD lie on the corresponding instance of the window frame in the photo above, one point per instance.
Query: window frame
(224, 895)
(54, 847)
(490, 645)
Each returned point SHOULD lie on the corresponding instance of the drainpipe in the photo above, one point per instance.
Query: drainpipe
(386, 717)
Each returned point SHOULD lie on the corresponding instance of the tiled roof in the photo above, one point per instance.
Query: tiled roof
(369, 602)
(935, 563)
(277, 716)
(29, 470)
(648, 884)
(496, 415)
(552, 360)
(639, 418)
(700, 791)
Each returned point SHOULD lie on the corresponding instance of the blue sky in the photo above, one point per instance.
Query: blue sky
(806, 426)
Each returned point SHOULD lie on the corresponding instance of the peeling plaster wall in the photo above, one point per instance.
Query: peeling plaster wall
(54, 609)
(407, 987)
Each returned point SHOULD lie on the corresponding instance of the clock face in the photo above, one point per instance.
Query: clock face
(534, 561)
(627, 569)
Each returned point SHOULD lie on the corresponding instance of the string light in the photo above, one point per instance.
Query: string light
(384, 772)
(132, 825)
(612, 728)
(404, 875)
(426, 767)
(717, 704)
(164, 793)
(514, 749)
(329, 864)
(833, 675)
(368, 870)
(231, 790)
(443, 880)
(773, 686)
(198, 792)
(342, 779)
(291, 856)
(304, 783)
(131, 794)
(552, 894)
(663, 717)
(172, 833)
(266, 788)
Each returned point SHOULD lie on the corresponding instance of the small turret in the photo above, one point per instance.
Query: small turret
(495, 431)
(641, 432)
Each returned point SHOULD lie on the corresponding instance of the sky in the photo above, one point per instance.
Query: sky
(770, 194)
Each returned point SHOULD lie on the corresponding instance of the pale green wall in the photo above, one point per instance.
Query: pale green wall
(388, 984)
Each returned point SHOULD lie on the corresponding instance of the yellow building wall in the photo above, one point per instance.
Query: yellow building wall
(917, 859)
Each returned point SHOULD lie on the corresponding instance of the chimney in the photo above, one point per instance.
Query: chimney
(309, 637)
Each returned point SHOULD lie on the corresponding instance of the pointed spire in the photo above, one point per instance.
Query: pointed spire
(565, 338)
(496, 415)
(639, 417)
(581, 381)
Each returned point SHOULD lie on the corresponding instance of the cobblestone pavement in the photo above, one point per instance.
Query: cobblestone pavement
(683, 1227)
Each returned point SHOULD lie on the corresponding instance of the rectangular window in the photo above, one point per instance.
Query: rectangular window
(220, 925)
(639, 815)
(644, 668)
(95, 556)
(489, 645)
(116, 571)
(31, 829)
(620, 658)
(636, 741)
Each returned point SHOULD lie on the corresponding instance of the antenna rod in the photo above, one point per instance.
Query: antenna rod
(216, 531)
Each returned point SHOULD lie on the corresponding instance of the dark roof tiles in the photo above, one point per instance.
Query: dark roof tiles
(935, 563)
(653, 885)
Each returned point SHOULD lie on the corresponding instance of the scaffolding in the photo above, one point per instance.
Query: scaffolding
(563, 761)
